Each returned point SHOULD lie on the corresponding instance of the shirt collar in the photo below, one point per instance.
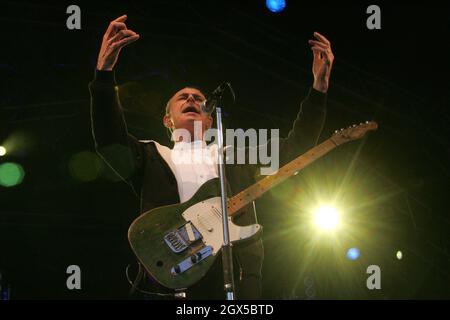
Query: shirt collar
(197, 144)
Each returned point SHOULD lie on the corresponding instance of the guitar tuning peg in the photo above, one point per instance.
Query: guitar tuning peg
(342, 129)
(367, 122)
(336, 131)
(354, 125)
(361, 124)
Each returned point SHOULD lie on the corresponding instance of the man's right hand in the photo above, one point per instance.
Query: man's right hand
(116, 37)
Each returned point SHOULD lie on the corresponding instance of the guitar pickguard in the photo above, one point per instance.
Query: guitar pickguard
(206, 216)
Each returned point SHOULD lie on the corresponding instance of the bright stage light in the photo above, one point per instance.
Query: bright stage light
(276, 5)
(2, 151)
(399, 255)
(327, 218)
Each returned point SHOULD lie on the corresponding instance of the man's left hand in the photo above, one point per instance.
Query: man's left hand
(322, 63)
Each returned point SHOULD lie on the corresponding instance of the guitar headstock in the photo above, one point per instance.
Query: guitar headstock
(355, 132)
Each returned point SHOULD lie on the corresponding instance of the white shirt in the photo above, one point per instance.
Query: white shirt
(192, 163)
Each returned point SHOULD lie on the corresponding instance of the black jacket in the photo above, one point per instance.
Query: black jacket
(140, 165)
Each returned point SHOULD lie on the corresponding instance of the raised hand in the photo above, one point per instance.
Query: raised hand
(116, 37)
(322, 63)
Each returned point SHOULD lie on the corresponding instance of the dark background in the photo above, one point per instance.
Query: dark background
(393, 186)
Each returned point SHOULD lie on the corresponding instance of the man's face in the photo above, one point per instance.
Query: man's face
(184, 109)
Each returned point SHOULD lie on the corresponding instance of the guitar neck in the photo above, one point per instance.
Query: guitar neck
(246, 196)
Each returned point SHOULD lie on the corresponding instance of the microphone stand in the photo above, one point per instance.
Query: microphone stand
(227, 256)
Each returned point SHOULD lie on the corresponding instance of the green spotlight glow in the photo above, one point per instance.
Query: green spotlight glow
(11, 174)
(85, 166)
(2, 151)
(326, 218)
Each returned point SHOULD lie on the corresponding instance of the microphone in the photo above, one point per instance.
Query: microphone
(213, 99)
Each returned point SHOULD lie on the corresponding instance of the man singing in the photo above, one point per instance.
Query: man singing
(158, 180)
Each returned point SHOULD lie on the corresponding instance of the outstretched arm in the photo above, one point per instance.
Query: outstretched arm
(309, 122)
(112, 141)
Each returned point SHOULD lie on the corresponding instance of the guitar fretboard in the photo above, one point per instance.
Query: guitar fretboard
(246, 196)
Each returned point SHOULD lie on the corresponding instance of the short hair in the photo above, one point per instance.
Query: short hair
(167, 110)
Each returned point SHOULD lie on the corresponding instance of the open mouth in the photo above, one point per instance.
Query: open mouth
(191, 109)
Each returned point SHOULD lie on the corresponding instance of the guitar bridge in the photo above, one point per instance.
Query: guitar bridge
(180, 239)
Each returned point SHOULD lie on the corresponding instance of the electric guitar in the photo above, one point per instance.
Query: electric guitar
(177, 244)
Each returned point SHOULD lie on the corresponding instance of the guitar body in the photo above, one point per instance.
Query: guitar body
(177, 244)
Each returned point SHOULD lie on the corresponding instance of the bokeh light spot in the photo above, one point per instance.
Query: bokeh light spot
(85, 166)
(11, 174)
(353, 253)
